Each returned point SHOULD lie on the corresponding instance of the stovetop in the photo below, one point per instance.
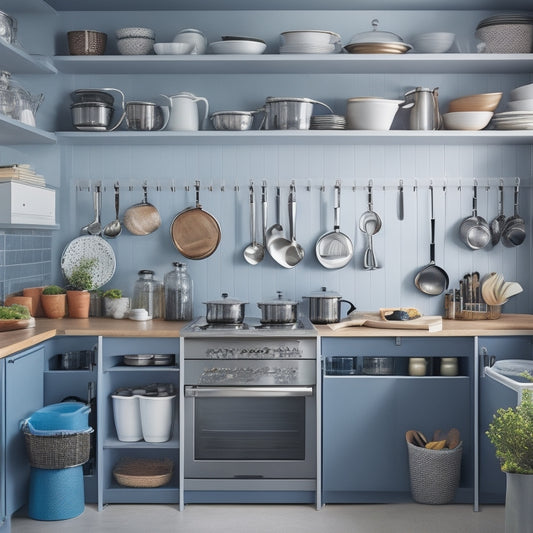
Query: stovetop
(251, 326)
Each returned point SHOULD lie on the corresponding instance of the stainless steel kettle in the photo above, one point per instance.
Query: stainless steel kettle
(424, 105)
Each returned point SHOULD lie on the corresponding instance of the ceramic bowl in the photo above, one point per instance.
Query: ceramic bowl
(237, 47)
(371, 113)
(524, 92)
(437, 42)
(467, 120)
(476, 102)
(132, 46)
(520, 105)
(173, 48)
(135, 32)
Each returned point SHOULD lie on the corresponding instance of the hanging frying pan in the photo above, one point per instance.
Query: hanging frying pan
(195, 232)
(142, 218)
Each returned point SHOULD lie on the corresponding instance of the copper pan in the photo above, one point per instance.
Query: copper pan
(195, 232)
(142, 218)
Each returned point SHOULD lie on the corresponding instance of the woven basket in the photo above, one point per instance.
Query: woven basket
(86, 43)
(54, 452)
(146, 473)
(506, 38)
(434, 474)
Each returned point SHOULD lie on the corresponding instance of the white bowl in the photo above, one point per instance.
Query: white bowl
(134, 32)
(370, 113)
(237, 47)
(134, 46)
(311, 37)
(433, 43)
(467, 120)
(520, 105)
(173, 48)
(524, 92)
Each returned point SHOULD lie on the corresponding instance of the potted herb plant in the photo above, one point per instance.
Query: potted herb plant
(511, 433)
(79, 283)
(115, 305)
(54, 301)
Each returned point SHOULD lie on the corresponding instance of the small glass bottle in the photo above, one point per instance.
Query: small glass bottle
(148, 294)
(178, 293)
(417, 366)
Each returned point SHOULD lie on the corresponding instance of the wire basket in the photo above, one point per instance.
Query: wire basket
(54, 452)
(86, 43)
(145, 473)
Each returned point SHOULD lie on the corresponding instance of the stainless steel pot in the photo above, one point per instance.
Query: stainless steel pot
(232, 120)
(95, 115)
(325, 307)
(146, 116)
(278, 311)
(289, 113)
(225, 311)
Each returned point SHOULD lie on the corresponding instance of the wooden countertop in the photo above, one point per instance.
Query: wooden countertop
(15, 341)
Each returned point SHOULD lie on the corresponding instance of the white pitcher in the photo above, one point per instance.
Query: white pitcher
(184, 112)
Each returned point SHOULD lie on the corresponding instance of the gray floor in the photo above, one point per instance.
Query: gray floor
(397, 518)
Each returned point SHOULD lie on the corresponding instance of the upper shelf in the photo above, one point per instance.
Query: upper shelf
(13, 132)
(297, 64)
(18, 61)
(297, 5)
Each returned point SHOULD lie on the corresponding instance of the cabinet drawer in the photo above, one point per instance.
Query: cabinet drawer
(25, 204)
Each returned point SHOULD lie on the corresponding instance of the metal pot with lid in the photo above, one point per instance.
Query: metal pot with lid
(225, 311)
(325, 306)
(278, 311)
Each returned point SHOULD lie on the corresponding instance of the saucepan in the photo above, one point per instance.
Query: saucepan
(225, 311)
(146, 116)
(93, 109)
(278, 311)
(289, 113)
(475, 230)
(325, 307)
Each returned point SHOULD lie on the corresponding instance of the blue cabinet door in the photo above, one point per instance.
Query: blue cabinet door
(23, 396)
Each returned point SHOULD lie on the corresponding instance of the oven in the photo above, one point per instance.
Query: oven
(250, 403)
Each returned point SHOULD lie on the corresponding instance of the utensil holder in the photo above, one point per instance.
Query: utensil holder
(474, 311)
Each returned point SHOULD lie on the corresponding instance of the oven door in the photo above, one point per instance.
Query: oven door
(250, 432)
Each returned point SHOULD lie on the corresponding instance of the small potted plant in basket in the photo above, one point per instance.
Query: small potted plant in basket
(79, 283)
(115, 305)
(54, 301)
(511, 433)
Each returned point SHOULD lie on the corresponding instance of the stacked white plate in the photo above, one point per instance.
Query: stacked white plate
(513, 120)
(328, 122)
(309, 42)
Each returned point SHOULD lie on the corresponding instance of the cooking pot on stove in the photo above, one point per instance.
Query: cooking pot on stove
(278, 311)
(325, 306)
(225, 311)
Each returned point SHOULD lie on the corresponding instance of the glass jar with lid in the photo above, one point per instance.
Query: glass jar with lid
(178, 293)
(148, 294)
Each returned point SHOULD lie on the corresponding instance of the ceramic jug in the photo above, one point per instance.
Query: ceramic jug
(424, 104)
(184, 112)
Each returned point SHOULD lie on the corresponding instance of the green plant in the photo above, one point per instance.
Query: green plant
(14, 311)
(53, 289)
(114, 294)
(511, 433)
(81, 277)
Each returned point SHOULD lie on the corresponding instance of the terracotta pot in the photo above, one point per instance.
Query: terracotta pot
(79, 303)
(26, 301)
(35, 294)
(54, 305)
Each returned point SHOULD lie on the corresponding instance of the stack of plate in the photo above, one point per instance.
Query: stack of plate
(328, 122)
(309, 42)
(513, 120)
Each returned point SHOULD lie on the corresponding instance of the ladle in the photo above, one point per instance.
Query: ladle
(432, 279)
(255, 251)
(497, 224)
(370, 224)
(275, 240)
(95, 227)
(114, 229)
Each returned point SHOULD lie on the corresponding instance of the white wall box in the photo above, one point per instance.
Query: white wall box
(26, 204)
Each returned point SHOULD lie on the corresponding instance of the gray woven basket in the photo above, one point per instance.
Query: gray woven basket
(507, 38)
(54, 452)
(434, 474)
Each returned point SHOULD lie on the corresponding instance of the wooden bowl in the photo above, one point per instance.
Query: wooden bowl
(14, 323)
(476, 102)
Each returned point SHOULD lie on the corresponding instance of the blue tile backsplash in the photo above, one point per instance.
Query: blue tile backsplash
(25, 260)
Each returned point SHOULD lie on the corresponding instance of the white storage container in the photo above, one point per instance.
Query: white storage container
(156, 417)
(127, 417)
(21, 203)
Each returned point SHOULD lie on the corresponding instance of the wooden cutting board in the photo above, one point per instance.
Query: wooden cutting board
(374, 320)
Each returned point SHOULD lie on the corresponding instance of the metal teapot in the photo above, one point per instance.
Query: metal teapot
(424, 105)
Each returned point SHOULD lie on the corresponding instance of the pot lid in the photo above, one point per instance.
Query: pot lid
(226, 300)
(279, 300)
(90, 104)
(375, 36)
(323, 293)
(289, 99)
(92, 95)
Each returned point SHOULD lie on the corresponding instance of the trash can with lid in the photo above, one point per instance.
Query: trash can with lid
(57, 441)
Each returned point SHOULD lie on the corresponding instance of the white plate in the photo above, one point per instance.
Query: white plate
(237, 47)
(89, 247)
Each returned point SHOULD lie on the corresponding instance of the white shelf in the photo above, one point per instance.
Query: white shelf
(298, 64)
(257, 137)
(14, 132)
(297, 5)
(26, 6)
(18, 61)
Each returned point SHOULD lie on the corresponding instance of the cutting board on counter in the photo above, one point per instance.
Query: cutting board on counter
(374, 320)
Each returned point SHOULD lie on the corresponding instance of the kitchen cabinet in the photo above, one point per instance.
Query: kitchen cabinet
(22, 391)
(365, 417)
(112, 375)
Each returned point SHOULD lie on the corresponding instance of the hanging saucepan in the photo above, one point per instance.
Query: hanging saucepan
(195, 232)
(475, 230)
(278, 311)
(514, 229)
(325, 307)
(142, 218)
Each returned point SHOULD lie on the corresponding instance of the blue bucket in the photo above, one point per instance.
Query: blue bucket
(64, 416)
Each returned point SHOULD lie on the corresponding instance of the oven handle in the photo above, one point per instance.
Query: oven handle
(232, 392)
